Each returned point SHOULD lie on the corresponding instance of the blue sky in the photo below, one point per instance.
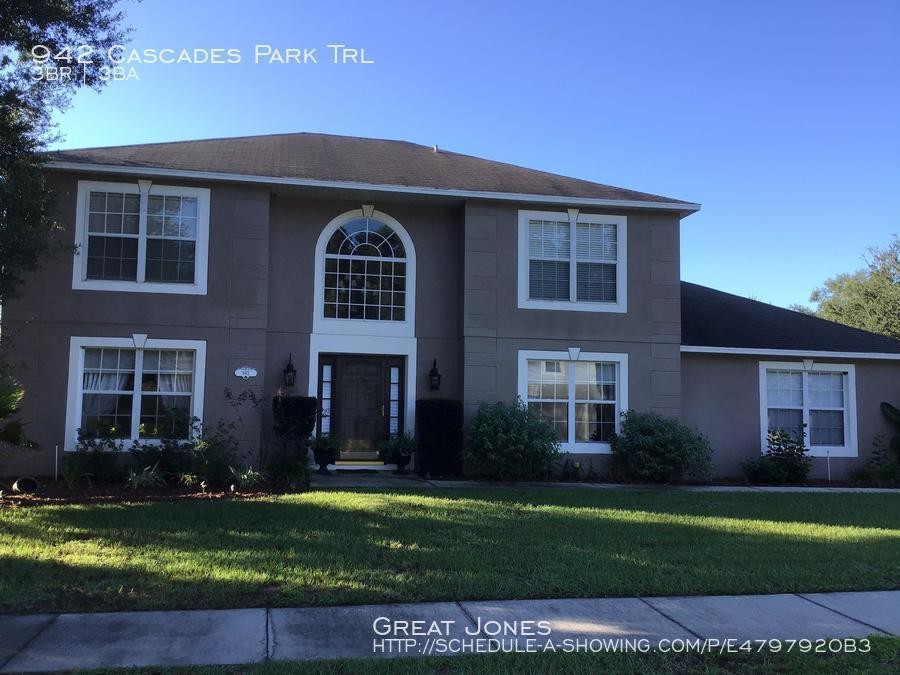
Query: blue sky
(781, 118)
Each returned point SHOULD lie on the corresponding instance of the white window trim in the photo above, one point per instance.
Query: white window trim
(77, 345)
(368, 344)
(574, 217)
(143, 188)
(574, 354)
(850, 447)
(334, 326)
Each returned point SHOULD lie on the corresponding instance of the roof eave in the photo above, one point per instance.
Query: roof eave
(807, 353)
(683, 208)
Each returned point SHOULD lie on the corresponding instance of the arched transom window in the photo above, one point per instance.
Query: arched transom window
(365, 272)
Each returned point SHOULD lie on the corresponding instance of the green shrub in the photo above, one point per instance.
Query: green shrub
(295, 420)
(96, 458)
(439, 442)
(881, 469)
(399, 447)
(147, 478)
(214, 453)
(570, 471)
(510, 442)
(786, 460)
(247, 477)
(893, 415)
(653, 448)
(172, 457)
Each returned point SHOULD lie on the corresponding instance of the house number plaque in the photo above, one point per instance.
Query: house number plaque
(245, 372)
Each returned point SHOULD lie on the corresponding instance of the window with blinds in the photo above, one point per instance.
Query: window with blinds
(582, 270)
(816, 403)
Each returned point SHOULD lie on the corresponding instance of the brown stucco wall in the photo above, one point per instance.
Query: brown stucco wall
(296, 224)
(258, 308)
(231, 317)
(494, 328)
(720, 397)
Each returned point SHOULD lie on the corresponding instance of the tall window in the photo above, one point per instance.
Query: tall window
(571, 261)
(365, 273)
(141, 237)
(818, 400)
(582, 398)
(134, 393)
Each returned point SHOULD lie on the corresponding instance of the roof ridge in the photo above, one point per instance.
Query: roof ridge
(238, 138)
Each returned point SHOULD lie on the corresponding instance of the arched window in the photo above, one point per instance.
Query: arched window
(365, 272)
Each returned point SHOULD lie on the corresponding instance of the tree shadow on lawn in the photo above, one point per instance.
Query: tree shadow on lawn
(355, 548)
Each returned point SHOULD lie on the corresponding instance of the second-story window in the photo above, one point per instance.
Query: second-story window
(365, 272)
(572, 261)
(141, 237)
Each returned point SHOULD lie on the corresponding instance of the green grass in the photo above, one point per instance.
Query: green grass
(333, 548)
(884, 657)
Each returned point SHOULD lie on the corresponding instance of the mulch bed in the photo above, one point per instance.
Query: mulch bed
(117, 494)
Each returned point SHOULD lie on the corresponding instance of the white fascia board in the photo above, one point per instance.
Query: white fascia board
(749, 351)
(684, 207)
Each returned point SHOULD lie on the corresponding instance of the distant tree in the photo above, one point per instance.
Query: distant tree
(869, 298)
(803, 309)
(31, 31)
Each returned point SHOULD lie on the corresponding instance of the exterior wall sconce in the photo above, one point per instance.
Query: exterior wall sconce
(434, 376)
(290, 373)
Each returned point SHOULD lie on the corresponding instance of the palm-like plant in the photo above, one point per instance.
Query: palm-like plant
(11, 395)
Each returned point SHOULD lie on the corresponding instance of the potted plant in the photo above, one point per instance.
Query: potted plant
(398, 449)
(324, 451)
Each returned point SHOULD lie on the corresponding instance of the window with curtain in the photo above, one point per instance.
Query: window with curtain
(814, 401)
(365, 273)
(131, 394)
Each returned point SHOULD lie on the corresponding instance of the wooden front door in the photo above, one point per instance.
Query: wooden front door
(365, 402)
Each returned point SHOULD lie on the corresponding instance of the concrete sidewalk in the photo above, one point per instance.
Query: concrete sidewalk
(344, 480)
(51, 642)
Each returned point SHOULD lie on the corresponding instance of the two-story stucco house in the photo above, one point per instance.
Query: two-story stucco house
(365, 263)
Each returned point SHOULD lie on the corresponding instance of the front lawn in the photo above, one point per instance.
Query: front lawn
(334, 548)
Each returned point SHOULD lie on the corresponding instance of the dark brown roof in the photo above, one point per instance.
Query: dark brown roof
(346, 159)
(711, 318)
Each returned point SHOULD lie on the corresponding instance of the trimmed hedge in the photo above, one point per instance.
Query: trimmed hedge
(510, 442)
(295, 416)
(295, 420)
(439, 424)
(653, 448)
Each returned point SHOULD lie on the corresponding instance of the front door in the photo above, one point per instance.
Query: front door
(364, 405)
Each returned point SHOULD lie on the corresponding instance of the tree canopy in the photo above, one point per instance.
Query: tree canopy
(36, 35)
(868, 298)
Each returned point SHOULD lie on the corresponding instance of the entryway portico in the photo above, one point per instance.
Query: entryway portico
(361, 402)
(366, 386)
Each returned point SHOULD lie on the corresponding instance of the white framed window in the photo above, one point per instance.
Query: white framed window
(365, 276)
(818, 398)
(582, 396)
(134, 388)
(572, 261)
(141, 237)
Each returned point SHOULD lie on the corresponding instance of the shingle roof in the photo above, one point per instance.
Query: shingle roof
(711, 318)
(323, 157)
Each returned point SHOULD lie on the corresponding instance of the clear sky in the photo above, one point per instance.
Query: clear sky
(781, 118)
